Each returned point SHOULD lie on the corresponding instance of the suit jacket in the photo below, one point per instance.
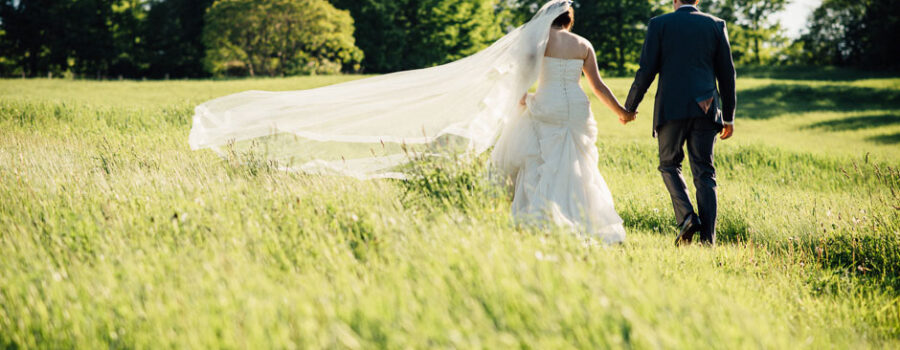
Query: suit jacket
(690, 51)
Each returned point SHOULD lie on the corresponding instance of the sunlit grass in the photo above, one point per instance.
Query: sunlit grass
(114, 234)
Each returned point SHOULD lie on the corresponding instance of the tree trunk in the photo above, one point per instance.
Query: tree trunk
(620, 40)
(620, 55)
(756, 48)
(756, 34)
(279, 71)
(33, 63)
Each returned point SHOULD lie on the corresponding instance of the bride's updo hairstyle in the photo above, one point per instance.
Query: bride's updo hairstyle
(565, 20)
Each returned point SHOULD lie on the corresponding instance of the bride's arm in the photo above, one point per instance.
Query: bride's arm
(592, 72)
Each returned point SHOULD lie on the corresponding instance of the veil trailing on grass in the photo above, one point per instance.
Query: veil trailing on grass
(365, 128)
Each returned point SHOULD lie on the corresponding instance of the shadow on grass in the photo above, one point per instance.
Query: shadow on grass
(729, 229)
(888, 139)
(661, 222)
(732, 230)
(857, 123)
(773, 100)
(871, 257)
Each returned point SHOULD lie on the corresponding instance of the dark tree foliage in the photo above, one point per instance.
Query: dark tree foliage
(854, 33)
(7, 65)
(172, 38)
(617, 29)
(163, 38)
(30, 31)
(407, 34)
(380, 32)
(102, 38)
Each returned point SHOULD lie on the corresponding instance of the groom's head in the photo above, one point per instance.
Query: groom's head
(679, 3)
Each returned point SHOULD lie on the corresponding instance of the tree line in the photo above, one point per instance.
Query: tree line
(202, 38)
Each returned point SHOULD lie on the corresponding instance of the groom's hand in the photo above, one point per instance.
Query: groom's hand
(627, 117)
(727, 131)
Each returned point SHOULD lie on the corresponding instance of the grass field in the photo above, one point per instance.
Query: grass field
(113, 234)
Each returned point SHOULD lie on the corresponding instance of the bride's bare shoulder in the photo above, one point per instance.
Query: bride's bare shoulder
(581, 40)
(583, 44)
(569, 44)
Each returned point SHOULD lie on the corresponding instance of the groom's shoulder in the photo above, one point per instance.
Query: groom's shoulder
(662, 18)
(672, 16)
(711, 17)
(673, 19)
(655, 23)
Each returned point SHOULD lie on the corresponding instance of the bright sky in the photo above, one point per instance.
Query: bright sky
(796, 13)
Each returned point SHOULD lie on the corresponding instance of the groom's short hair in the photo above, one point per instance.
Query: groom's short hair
(689, 2)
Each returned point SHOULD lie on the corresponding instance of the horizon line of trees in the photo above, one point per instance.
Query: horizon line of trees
(158, 39)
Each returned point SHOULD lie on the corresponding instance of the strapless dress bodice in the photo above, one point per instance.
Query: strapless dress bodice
(560, 70)
(559, 98)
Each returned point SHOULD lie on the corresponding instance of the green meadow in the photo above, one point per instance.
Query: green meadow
(114, 234)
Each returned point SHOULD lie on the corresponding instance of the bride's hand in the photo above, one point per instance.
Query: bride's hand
(626, 117)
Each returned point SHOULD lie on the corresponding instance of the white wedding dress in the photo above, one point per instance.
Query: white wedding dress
(365, 128)
(551, 147)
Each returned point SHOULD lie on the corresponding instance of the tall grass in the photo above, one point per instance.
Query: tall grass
(113, 234)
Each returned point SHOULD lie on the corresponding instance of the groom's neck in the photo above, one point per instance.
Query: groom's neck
(679, 3)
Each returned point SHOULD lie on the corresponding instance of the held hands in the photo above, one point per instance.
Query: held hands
(626, 117)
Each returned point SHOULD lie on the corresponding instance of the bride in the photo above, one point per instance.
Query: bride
(544, 143)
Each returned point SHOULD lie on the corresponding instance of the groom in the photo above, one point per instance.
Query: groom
(690, 51)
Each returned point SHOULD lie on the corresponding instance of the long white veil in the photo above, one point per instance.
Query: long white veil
(363, 128)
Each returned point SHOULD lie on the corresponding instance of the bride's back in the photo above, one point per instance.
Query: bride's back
(567, 45)
(559, 97)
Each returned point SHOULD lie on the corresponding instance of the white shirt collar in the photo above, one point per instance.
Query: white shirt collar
(683, 6)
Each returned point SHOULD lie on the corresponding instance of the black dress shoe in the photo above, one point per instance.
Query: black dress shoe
(686, 233)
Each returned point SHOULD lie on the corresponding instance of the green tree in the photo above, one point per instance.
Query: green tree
(91, 37)
(448, 30)
(279, 37)
(857, 33)
(617, 29)
(518, 12)
(88, 37)
(32, 36)
(407, 34)
(124, 24)
(381, 32)
(828, 36)
(7, 64)
(755, 38)
(172, 33)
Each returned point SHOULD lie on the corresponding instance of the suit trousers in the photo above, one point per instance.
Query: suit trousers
(700, 136)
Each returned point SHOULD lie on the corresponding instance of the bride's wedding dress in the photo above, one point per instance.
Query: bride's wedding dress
(364, 128)
(553, 158)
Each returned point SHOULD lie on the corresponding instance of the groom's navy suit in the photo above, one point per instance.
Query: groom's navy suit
(690, 52)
